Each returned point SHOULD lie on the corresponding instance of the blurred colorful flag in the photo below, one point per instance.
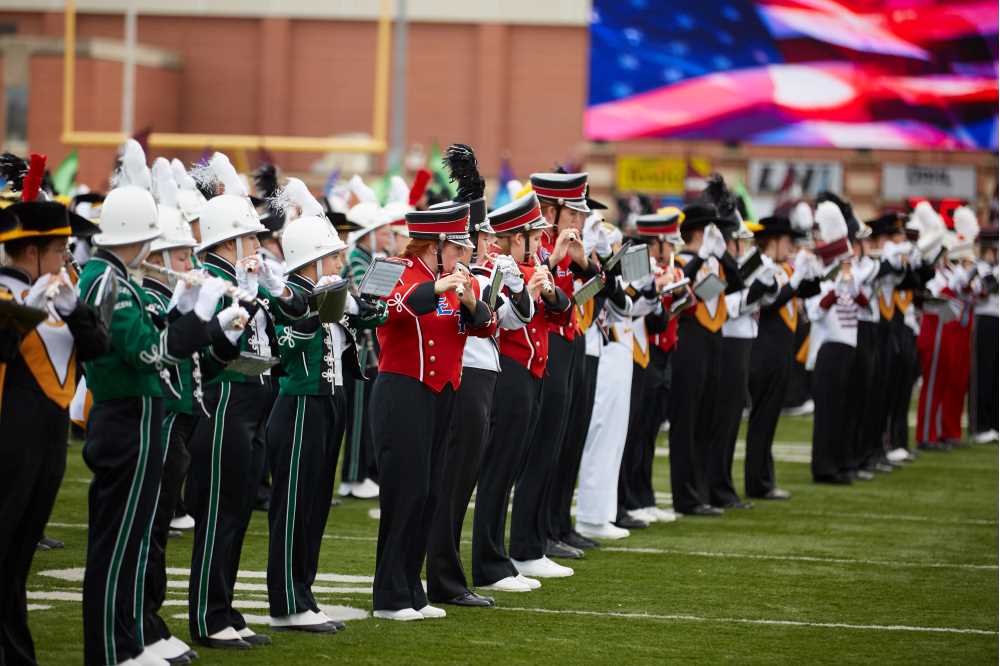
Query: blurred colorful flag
(502, 197)
(65, 174)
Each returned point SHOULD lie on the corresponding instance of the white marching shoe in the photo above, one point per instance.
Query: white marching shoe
(604, 531)
(661, 515)
(149, 658)
(304, 621)
(898, 455)
(432, 612)
(530, 582)
(169, 648)
(643, 515)
(508, 584)
(184, 522)
(401, 615)
(543, 567)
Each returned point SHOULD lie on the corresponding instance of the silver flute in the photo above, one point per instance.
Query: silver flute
(196, 279)
(547, 287)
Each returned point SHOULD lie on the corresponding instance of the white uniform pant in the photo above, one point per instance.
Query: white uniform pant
(597, 501)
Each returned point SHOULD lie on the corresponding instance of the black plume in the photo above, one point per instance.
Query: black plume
(265, 180)
(464, 170)
(13, 169)
(717, 193)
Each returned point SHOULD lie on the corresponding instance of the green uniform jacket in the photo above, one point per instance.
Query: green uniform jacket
(306, 348)
(276, 310)
(183, 386)
(140, 352)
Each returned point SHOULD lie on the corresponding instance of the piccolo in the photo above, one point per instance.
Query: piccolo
(196, 279)
(547, 287)
(460, 268)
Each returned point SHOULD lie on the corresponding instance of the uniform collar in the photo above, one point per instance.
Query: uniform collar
(417, 261)
(301, 281)
(16, 273)
(212, 259)
(111, 258)
(151, 283)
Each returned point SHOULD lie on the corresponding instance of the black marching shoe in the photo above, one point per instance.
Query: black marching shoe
(705, 511)
(838, 479)
(561, 550)
(472, 600)
(223, 644)
(627, 522)
(578, 541)
(257, 640)
(737, 504)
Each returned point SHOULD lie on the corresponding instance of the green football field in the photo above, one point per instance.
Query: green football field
(902, 569)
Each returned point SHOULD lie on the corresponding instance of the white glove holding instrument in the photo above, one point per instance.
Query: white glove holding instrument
(36, 295)
(803, 268)
(65, 299)
(246, 274)
(603, 246)
(209, 295)
(512, 278)
(233, 320)
(272, 277)
(712, 244)
(184, 297)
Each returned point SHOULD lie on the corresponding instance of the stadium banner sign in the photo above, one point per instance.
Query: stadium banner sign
(934, 181)
(774, 176)
(650, 175)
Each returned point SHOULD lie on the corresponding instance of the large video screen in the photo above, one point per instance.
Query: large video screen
(849, 73)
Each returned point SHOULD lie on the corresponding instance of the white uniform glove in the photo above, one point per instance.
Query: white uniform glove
(713, 244)
(328, 279)
(272, 277)
(208, 297)
(184, 297)
(247, 280)
(65, 299)
(591, 231)
(36, 295)
(603, 246)
(512, 277)
(233, 321)
(803, 268)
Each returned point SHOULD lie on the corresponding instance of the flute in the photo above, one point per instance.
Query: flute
(196, 279)
(547, 287)
(460, 268)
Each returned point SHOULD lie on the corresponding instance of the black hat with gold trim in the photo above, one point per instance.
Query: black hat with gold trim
(33, 216)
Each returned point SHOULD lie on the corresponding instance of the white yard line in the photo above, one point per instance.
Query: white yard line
(755, 621)
(895, 516)
(803, 558)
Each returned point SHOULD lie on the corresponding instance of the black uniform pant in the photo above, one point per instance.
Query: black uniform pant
(303, 444)
(729, 413)
(174, 436)
(800, 380)
(984, 394)
(410, 423)
(771, 362)
(469, 433)
(515, 412)
(33, 432)
(529, 522)
(227, 456)
(583, 388)
(653, 413)
(629, 470)
(875, 423)
(832, 388)
(864, 366)
(124, 452)
(694, 394)
(359, 449)
(901, 392)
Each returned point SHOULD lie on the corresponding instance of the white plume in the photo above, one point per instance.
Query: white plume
(928, 218)
(181, 177)
(399, 191)
(966, 224)
(513, 187)
(295, 195)
(364, 193)
(133, 169)
(164, 186)
(832, 226)
(226, 173)
(802, 217)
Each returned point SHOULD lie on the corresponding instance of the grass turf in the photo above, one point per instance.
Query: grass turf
(879, 572)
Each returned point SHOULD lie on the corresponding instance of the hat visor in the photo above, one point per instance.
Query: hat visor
(580, 206)
(103, 240)
(539, 224)
(81, 226)
(158, 244)
(243, 232)
(464, 242)
(316, 256)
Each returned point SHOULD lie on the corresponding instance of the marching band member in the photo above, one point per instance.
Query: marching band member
(307, 424)
(773, 349)
(123, 446)
(37, 382)
(563, 202)
(696, 369)
(373, 238)
(183, 385)
(636, 497)
(432, 310)
(983, 395)
(474, 401)
(834, 316)
(524, 357)
(222, 496)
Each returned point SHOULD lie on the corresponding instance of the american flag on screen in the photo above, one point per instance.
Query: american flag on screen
(848, 73)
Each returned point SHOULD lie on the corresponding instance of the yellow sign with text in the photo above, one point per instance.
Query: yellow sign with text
(653, 175)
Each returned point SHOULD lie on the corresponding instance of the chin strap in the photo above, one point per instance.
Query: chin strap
(440, 260)
(319, 269)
